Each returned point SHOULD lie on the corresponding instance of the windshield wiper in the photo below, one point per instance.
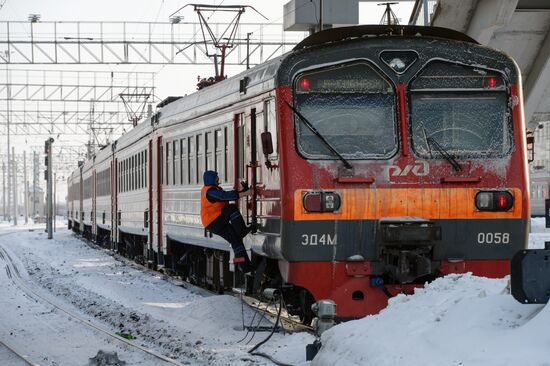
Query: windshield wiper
(321, 137)
(451, 159)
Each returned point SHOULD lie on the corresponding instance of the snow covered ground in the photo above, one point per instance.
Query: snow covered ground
(456, 320)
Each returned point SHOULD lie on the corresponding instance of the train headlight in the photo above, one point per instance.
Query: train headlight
(494, 200)
(321, 201)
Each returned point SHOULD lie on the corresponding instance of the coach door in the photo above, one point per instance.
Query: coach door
(115, 182)
(159, 180)
(245, 160)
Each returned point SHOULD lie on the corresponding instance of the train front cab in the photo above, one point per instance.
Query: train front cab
(436, 176)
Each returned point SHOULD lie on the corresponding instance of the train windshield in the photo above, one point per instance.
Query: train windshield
(463, 110)
(352, 106)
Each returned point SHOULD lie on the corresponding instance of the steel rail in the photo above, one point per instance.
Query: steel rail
(17, 353)
(18, 280)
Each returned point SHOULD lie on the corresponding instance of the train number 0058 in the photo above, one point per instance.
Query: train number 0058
(493, 238)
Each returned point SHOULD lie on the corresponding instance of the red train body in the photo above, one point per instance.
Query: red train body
(381, 158)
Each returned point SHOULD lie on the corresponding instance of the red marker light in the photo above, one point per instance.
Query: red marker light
(492, 82)
(502, 202)
(304, 84)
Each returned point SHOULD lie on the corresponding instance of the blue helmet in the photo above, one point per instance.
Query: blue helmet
(210, 178)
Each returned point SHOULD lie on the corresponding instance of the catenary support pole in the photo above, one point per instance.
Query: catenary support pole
(50, 195)
(25, 199)
(54, 201)
(8, 91)
(3, 191)
(14, 173)
(34, 181)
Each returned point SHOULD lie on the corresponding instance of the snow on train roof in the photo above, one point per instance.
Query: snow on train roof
(259, 79)
(345, 33)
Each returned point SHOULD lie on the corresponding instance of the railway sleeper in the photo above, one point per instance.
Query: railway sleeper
(211, 269)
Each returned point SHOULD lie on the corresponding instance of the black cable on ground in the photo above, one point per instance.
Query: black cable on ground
(265, 355)
(252, 322)
(270, 358)
(272, 330)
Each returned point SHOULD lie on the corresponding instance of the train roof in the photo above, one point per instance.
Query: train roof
(346, 33)
(263, 78)
(257, 80)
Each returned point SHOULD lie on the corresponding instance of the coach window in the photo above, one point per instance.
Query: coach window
(134, 170)
(133, 173)
(200, 157)
(140, 170)
(459, 111)
(126, 175)
(270, 125)
(136, 175)
(118, 177)
(210, 149)
(127, 170)
(177, 165)
(192, 161)
(123, 176)
(142, 176)
(130, 174)
(352, 106)
(229, 166)
(108, 192)
(168, 163)
(145, 175)
(240, 146)
(219, 148)
(184, 162)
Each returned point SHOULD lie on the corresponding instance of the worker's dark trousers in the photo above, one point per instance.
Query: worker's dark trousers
(230, 226)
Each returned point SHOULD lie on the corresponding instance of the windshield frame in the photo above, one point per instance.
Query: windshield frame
(507, 111)
(343, 63)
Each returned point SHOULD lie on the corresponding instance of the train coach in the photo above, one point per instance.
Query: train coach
(380, 157)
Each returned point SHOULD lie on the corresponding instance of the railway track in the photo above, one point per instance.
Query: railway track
(290, 324)
(12, 357)
(14, 275)
(270, 310)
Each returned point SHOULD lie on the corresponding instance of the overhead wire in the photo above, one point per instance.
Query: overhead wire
(194, 34)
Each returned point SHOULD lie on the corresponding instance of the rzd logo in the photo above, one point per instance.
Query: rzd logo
(420, 169)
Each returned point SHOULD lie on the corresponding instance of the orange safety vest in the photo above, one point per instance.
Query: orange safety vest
(210, 210)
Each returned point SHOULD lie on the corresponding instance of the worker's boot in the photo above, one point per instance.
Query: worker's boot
(244, 263)
(237, 222)
(241, 258)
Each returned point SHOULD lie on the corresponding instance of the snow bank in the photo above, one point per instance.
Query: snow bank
(455, 320)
